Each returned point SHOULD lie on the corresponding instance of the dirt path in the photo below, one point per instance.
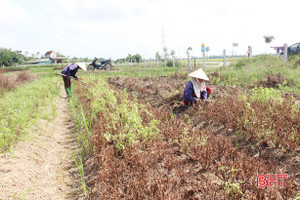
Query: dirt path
(41, 166)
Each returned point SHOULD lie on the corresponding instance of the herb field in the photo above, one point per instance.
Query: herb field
(127, 135)
(148, 146)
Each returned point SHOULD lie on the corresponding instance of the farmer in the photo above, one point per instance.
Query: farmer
(196, 90)
(68, 71)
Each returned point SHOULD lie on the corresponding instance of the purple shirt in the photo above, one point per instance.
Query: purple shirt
(189, 93)
(70, 70)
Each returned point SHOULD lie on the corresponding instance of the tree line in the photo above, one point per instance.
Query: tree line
(9, 57)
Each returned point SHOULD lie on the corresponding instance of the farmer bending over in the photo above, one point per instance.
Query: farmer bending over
(68, 71)
(196, 90)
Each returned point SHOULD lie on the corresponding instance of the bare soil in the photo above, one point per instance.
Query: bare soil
(41, 166)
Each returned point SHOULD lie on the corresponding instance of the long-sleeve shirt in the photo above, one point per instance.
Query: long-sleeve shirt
(189, 93)
(71, 70)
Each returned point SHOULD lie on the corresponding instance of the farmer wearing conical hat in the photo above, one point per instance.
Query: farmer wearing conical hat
(196, 90)
(70, 71)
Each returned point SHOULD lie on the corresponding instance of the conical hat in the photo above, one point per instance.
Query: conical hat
(199, 73)
(82, 65)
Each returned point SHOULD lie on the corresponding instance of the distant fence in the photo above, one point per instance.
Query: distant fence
(195, 62)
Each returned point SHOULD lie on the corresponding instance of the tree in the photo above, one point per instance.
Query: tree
(129, 58)
(157, 57)
(173, 57)
(86, 59)
(137, 57)
(188, 55)
(165, 55)
(9, 57)
(207, 49)
(234, 45)
(59, 54)
(17, 57)
(5, 58)
(268, 39)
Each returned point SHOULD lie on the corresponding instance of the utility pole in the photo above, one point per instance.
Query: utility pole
(285, 52)
(249, 52)
(224, 57)
(164, 46)
(203, 54)
(163, 40)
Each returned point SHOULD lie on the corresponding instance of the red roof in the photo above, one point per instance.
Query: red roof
(48, 53)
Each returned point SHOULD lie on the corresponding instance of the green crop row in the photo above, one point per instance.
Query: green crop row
(124, 124)
(119, 116)
(138, 71)
(21, 108)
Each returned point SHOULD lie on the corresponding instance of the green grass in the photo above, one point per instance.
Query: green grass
(39, 70)
(135, 72)
(209, 60)
(242, 72)
(247, 73)
(21, 108)
(83, 126)
(83, 129)
(81, 172)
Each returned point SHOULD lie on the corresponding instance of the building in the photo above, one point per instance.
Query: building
(50, 54)
(53, 57)
(43, 61)
(50, 57)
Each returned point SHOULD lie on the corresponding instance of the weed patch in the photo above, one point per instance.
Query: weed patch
(11, 81)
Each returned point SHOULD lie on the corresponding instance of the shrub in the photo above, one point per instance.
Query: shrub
(6, 83)
(24, 76)
(265, 95)
(240, 64)
(170, 63)
(9, 82)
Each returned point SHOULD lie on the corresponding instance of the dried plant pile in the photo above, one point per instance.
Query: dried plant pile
(11, 81)
(147, 153)
(6, 83)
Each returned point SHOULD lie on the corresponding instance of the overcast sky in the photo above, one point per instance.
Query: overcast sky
(116, 28)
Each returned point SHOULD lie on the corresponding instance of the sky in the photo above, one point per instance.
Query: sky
(115, 28)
